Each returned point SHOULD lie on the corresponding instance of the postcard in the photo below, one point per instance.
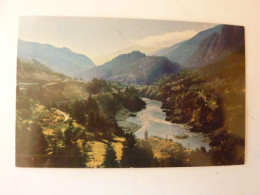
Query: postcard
(120, 93)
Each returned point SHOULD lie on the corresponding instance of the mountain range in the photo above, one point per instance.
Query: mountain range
(61, 60)
(206, 47)
(134, 67)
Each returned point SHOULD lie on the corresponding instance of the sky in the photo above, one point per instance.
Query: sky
(101, 39)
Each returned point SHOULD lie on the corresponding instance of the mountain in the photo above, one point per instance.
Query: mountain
(61, 60)
(30, 70)
(168, 50)
(108, 57)
(206, 47)
(210, 99)
(44, 85)
(134, 67)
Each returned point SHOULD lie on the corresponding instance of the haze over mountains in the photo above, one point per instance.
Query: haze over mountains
(134, 67)
(206, 47)
(61, 60)
(110, 56)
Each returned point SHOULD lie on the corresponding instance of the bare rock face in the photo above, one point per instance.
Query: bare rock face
(206, 47)
(217, 46)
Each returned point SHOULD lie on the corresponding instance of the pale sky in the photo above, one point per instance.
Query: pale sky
(103, 38)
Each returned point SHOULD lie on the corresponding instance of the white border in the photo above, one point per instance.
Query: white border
(202, 180)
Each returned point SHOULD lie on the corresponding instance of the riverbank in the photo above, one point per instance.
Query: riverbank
(121, 118)
(152, 120)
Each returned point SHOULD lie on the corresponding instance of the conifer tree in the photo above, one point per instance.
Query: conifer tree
(110, 159)
(146, 135)
(37, 145)
(86, 149)
(129, 151)
(72, 150)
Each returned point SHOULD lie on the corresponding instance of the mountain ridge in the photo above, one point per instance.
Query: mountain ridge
(206, 47)
(31, 70)
(61, 60)
(134, 67)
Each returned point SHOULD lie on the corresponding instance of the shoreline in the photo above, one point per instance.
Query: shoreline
(121, 118)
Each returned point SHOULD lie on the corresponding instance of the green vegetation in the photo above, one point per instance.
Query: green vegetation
(60, 143)
(210, 100)
(136, 154)
(62, 147)
(97, 86)
(34, 71)
(110, 160)
(61, 122)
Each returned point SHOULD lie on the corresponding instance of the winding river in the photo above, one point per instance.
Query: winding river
(152, 120)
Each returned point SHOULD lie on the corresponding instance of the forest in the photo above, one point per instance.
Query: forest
(211, 100)
(67, 122)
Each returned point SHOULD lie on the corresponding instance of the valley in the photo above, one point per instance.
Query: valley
(184, 107)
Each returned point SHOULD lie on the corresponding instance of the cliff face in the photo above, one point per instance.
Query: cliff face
(217, 46)
(206, 47)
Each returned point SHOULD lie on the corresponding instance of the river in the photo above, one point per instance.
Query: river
(152, 119)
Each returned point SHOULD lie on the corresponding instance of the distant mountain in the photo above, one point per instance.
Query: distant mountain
(61, 60)
(206, 47)
(108, 57)
(168, 51)
(134, 67)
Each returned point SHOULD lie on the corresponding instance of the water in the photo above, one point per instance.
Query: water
(152, 119)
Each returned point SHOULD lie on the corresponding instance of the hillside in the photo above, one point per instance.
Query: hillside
(131, 68)
(46, 86)
(61, 60)
(34, 71)
(210, 100)
(80, 134)
(206, 47)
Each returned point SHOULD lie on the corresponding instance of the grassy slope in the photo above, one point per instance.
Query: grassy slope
(34, 71)
(99, 149)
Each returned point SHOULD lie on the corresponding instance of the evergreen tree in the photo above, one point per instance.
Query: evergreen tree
(37, 145)
(146, 135)
(129, 151)
(72, 151)
(57, 155)
(136, 154)
(86, 149)
(78, 112)
(91, 105)
(177, 158)
(110, 159)
(144, 155)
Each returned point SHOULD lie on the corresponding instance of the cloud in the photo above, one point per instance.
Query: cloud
(166, 39)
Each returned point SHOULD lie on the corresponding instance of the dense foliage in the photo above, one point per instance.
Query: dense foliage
(210, 100)
(70, 147)
(136, 154)
(110, 160)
